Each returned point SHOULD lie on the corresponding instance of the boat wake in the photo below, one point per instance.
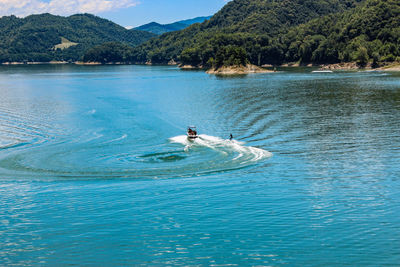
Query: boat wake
(234, 150)
(98, 155)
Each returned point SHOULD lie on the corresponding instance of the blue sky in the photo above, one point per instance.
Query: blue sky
(164, 11)
(124, 12)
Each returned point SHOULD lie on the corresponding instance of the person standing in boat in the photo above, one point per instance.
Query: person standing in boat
(192, 132)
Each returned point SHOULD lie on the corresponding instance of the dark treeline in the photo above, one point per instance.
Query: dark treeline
(34, 38)
(112, 52)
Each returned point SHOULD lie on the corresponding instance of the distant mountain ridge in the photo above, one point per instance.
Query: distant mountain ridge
(159, 29)
(194, 20)
(46, 37)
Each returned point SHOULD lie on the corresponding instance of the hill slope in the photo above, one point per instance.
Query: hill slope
(250, 24)
(368, 33)
(158, 29)
(37, 37)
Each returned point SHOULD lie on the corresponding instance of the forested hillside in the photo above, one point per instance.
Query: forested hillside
(111, 52)
(244, 31)
(47, 37)
(368, 33)
(253, 25)
(275, 32)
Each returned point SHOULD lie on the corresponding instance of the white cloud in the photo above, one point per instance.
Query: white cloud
(61, 7)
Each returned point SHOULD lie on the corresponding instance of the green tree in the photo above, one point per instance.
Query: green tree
(361, 56)
(191, 56)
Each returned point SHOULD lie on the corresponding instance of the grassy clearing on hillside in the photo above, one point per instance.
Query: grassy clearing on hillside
(65, 43)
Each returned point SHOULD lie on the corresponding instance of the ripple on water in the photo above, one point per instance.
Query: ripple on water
(92, 157)
(19, 131)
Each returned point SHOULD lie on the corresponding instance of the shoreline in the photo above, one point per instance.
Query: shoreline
(347, 66)
(36, 63)
(394, 67)
(232, 70)
(65, 63)
(238, 70)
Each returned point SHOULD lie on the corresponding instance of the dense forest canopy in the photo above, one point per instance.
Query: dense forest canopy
(111, 52)
(272, 16)
(370, 32)
(35, 38)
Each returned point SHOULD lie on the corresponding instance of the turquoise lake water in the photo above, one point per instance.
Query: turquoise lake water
(95, 169)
